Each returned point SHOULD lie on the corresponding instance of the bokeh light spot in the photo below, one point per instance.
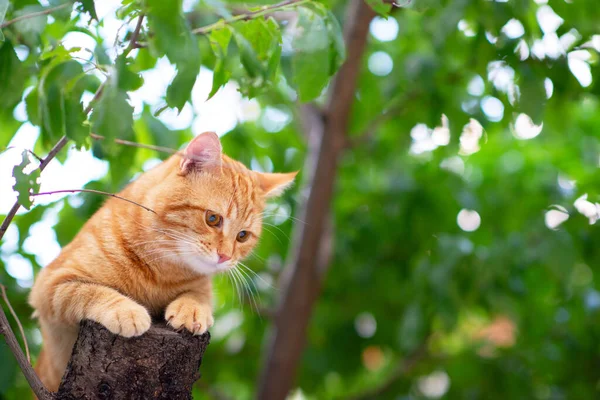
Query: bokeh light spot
(380, 63)
(468, 220)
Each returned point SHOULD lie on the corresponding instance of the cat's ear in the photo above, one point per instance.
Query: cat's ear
(275, 184)
(204, 151)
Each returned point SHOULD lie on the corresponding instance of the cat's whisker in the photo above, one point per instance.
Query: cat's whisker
(229, 278)
(177, 235)
(253, 254)
(256, 275)
(173, 253)
(237, 288)
(272, 233)
(286, 217)
(245, 277)
(152, 242)
(278, 228)
(242, 282)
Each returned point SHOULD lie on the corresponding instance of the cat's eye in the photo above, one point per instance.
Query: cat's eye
(213, 219)
(242, 236)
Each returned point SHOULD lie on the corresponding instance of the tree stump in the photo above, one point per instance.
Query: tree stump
(160, 364)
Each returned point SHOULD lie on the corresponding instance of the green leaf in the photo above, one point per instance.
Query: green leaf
(24, 222)
(75, 119)
(219, 42)
(127, 79)
(3, 9)
(12, 76)
(311, 59)
(421, 5)
(25, 184)
(112, 115)
(88, 6)
(100, 55)
(8, 126)
(262, 36)
(61, 112)
(248, 57)
(259, 46)
(337, 45)
(380, 7)
(31, 28)
(172, 37)
(64, 14)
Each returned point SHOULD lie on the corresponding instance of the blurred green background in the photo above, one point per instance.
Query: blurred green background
(465, 249)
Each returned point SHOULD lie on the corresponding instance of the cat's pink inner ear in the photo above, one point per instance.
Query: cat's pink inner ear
(275, 184)
(203, 151)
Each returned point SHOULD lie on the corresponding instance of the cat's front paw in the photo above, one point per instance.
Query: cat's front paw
(194, 317)
(129, 319)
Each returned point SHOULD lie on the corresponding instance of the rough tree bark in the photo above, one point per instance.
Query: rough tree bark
(303, 275)
(161, 364)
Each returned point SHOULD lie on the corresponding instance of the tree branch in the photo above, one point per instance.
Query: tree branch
(139, 145)
(301, 281)
(14, 314)
(249, 15)
(96, 192)
(55, 150)
(35, 14)
(134, 36)
(34, 381)
(13, 211)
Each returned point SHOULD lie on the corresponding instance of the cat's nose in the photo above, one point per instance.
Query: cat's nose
(223, 258)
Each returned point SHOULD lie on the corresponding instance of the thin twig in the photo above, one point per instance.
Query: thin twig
(34, 381)
(139, 145)
(35, 14)
(134, 36)
(27, 150)
(13, 211)
(249, 15)
(14, 314)
(96, 192)
(55, 150)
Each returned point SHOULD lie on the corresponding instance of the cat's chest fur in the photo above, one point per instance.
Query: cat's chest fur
(157, 289)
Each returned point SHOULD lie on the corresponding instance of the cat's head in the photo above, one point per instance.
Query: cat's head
(212, 215)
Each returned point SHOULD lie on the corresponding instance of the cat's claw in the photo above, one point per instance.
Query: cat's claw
(195, 318)
(127, 320)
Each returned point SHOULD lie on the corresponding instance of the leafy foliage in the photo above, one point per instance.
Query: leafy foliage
(25, 183)
(464, 247)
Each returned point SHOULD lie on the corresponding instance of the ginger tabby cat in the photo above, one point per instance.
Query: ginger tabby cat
(127, 264)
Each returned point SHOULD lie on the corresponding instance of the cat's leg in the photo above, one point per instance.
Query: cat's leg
(58, 341)
(63, 299)
(192, 310)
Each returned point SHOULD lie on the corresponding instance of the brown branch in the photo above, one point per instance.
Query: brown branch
(18, 321)
(139, 145)
(13, 211)
(96, 192)
(27, 150)
(134, 36)
(303, 273)
(35, 14)
(34, 381)
(249, 15)
(55, 150)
